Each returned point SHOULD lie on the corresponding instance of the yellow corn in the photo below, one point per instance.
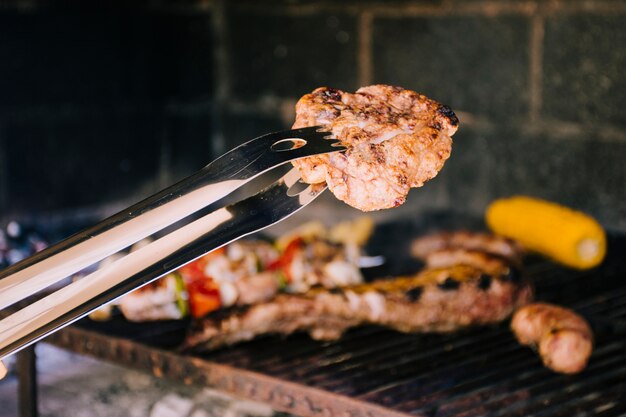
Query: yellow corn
(565, 235)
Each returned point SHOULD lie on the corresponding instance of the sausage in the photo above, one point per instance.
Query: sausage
(564, 338)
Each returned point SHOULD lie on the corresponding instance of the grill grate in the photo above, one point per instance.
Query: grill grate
(475, 372)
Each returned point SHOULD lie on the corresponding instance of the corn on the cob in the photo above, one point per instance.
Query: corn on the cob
(567, 236)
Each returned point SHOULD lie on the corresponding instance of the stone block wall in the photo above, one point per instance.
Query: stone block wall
(106, 102)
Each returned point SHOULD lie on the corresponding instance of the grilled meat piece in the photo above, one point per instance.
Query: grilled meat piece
(434, 300)
(472, 241)
(564, 338)
(163, 299)
(449, 257)
(396, 139)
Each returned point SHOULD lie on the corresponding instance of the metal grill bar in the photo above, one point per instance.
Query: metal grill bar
(603, 301)
(338, 353)
(561, 403)
(617, 312)
(496, 374)
(397, 388)
(612, 408)
(535, 381)
(406, 355)
(488, 379)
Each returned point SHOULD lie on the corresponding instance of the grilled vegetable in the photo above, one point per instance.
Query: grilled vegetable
(567, 236)
(204, 297)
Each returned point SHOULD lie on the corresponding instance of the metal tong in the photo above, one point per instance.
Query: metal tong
(177, 248)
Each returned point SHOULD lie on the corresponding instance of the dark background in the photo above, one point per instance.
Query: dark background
(103, 103)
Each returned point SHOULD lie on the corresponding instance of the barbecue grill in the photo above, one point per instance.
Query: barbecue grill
(102, 103)
(372, 371)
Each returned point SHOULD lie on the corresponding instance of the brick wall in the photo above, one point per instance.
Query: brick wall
(105, 102)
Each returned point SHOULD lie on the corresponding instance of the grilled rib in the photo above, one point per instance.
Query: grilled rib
(434, 300)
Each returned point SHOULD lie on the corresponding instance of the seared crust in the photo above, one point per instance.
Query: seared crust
(445, 258)
(471, 241)
(396, 139)
(434, 300)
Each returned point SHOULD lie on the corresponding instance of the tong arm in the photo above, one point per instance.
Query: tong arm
(218, 179)
(140, 267)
